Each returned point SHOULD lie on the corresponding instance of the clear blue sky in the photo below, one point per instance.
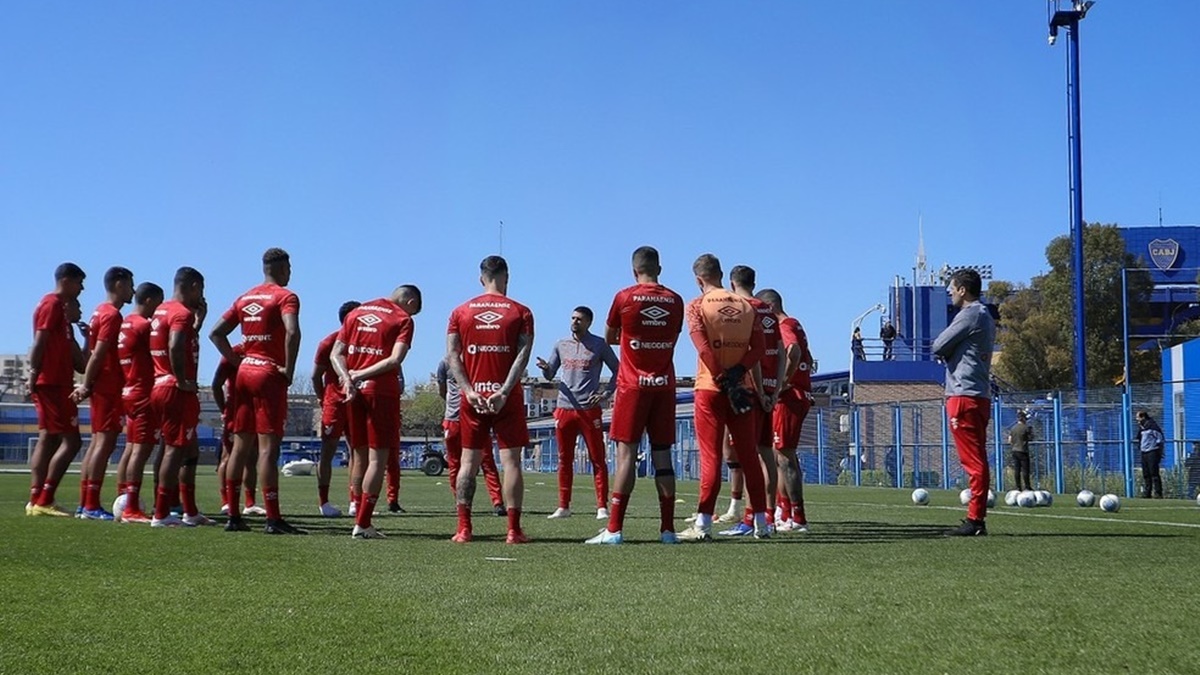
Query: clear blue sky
(381, 143)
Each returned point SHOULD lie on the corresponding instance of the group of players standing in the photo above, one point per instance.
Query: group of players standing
(752, 393)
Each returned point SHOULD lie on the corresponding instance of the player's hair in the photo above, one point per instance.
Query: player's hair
(771, 297)
(490, 267)
(274, 256)
(968, 280)
(1021, 415)
(188, 276)
(645, 261)
(408, 292)
(346, 308)
(585, 311)
(115, 275)
(742, 277)
(707, 267)
(147, 291)
(69, 270)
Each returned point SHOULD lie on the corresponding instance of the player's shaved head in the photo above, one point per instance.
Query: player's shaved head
(148, 292)
(408, 296)
(493, 267)
(742, 277)
(645, 261)
(772, 298)
(708, 268)
(187, 277)
(116, 275)
(346, 308)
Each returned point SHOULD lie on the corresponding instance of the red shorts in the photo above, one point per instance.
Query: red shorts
(179, 412)
(56, 412)
(643, 411)
(260, 397)
(108, 412)
(373, 422)
(508, 425)
(333, 418)
(142, 423)
(788, 419)
(453, 436)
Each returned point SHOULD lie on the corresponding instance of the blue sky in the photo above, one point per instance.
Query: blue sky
(381, 143)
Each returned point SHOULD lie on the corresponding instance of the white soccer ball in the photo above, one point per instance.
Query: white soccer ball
(965, 496)
(920, 496)
(1010, 497)
(1086, 498)
(119, 505)
(1026, 499)
(1110, 503)
(1198, 500)
(299, 467)
(991, 500)
(1046, 498)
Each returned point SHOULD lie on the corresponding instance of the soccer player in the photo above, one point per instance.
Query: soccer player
(966, 348)
(373, 341)
(269, 318)
(766, 375)
(728, 337)
(102, 383)
(581, 357)
(226, 399)
(645, 319)
(452, 428)
(791, 408)
(51, 378)
(333, 413)
(175, 350)
(488, 344)
(142, 426)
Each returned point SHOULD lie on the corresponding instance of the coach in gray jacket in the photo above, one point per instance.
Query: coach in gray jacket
(966, 348)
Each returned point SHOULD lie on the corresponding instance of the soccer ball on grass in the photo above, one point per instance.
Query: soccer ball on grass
(1110, 503)
(1085, 498)
(920, 496)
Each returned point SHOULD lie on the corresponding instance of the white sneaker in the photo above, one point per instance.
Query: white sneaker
(737, 508)
(329, 510)
(606, 537)
(692, 518)
(601, 513)
(224, 509)
(778, 513)
(560, 512)
(169, 521)
(367, 533)
(801, 528)
(763, 529)
(198, 520)
(255, 510)
(695, 533)
(785, 526)
(353, 509)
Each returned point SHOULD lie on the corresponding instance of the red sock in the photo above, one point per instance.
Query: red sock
(464, 518)
(616, 515)
(271, 499)
(122, 487)
(748, 516)
(92, 499)
(366, 507)
(162, 503)
(83, 491)
(666, 514)
(798, 514)
(355, 497)
(232, 490)
(187, 494)
(322, 494)
(133, 498)
(47, 496)
(514, 519)
(785, 508)
(249, 497)
(35, 494)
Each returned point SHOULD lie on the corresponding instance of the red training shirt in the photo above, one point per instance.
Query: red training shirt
(650, 317)
(489, 328)
(370, 333)
(133, 347)
(259, 313)
(793, 334)
(173, 316)
(331, 392)
(58, 366)
(106, 327)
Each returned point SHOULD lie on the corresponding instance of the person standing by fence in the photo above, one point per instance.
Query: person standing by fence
(1019, 438)
(1150, 438)
(966, 348)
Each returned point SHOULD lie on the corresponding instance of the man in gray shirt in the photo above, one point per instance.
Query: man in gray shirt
(966, 348)
(448, 390)
(581, 358)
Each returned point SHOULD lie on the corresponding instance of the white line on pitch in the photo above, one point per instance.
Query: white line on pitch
(1034, 515)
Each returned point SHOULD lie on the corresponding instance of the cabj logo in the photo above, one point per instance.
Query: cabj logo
(1164, 253)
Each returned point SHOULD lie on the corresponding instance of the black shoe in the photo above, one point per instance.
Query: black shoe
(281, 526)
(236, 525)
(500, 510)
(969, 528)
(394, 507)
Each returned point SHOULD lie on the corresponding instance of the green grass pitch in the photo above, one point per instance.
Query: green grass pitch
(873, 588)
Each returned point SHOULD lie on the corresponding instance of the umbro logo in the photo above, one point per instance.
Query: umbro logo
(768, 322)
(729, 312)
(253, 309)
(369, 320)
(655, 313)
(489, 317)
(154, 324)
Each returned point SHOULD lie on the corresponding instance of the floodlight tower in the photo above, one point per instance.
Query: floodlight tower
(1069, 19)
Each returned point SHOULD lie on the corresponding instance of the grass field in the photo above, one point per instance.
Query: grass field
(873, 588)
